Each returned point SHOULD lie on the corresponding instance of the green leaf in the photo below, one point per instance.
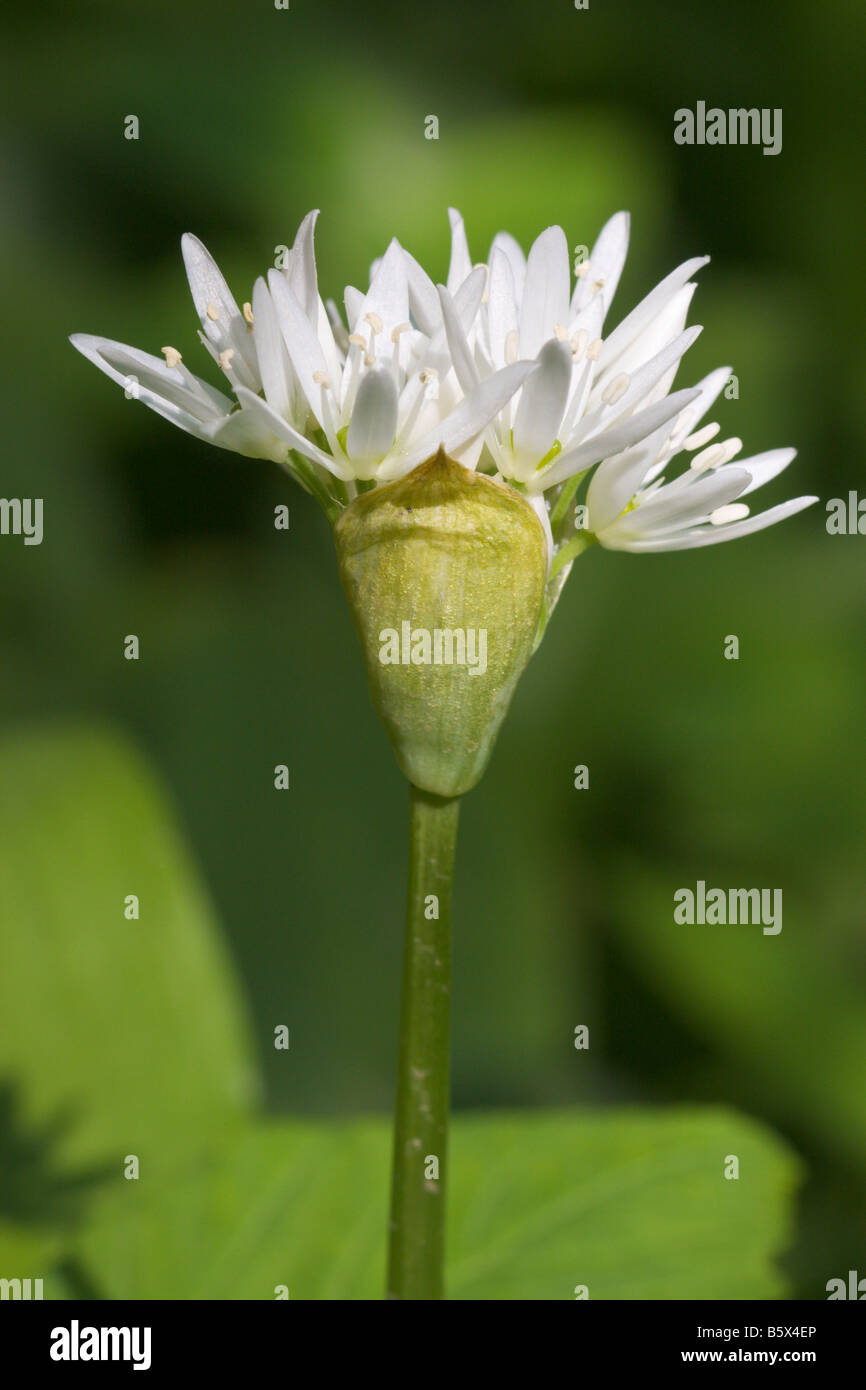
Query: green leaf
(119, 1036)
(632, 1204)
(750, 995)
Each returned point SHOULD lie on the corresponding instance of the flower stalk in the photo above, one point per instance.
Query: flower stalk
(417, 1227)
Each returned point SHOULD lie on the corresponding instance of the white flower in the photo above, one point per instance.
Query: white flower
(388, 400)
(242, 343)
(504, 365)
(631, 507)
(369, 404)
(589, 398)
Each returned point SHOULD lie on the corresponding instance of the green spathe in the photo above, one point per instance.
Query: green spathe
(444, 571)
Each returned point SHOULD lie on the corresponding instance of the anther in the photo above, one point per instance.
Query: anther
(708, 458)
(171, 355)
(212, 312)
(616, 389)
(735, 511)
(701, 437)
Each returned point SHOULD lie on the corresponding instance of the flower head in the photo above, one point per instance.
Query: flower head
(507, 366)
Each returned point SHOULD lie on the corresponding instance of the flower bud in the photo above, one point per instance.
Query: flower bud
(444, 571)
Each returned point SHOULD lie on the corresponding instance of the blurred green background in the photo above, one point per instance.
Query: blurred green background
(741, 773)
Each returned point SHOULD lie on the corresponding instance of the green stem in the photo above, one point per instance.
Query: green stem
(417, 1230)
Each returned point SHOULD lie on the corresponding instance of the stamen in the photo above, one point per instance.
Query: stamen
(374, 321)
(716, 455)
(732, 448)
(581, 270)
(579, 341)
(212, 312)
(358, 339)
(707, 458)
(616, 389)
(225, 359)
(400, 328)
(171, 355)
(248, 315)
(559, 332)
(735, 511)
(322, 379)
(430, 377)
(594, 350)
(695, 441)
(512, 345)
(599, 284)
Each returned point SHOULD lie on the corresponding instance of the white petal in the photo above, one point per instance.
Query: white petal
(387, 297)
(467, 302)
(606, 261)
(246, 433)
(707, 535)
(668, 510)
(461, 262)
(210, 292)
(501, 305)
(283, 430)
(709, 388)
(613, 441)
(423, 299)
(640, 384)
(458, 346)
(353, 301)
(468, 297)
(505, 243)
(172, 391)
(764, 467)
(545, 293)
(542, 403)
(302, 343)
(539, 506)
(466, 421)
(374, 418)
(655, 335)
(301, 270)
(338, 328)
(274, 363)
(616, 480)
(642, 316)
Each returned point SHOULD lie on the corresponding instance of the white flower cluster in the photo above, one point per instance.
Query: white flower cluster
(506, 366)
